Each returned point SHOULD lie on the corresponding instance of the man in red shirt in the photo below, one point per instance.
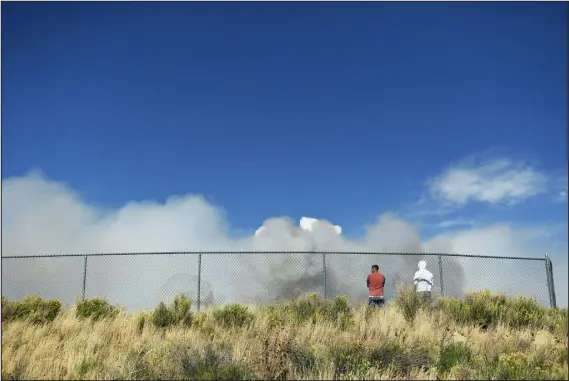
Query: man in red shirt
(375, 283)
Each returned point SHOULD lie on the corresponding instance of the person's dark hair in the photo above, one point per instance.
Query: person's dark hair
(376, 267)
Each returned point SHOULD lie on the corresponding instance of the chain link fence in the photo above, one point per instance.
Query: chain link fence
(141, 280)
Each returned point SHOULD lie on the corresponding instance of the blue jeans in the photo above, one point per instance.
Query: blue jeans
(376, 301)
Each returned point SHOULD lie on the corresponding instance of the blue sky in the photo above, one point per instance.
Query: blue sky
(341, 111)
(333, 110)
(379, 116)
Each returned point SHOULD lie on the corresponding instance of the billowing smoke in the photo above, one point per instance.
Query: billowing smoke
(295, 274)
(45, 217)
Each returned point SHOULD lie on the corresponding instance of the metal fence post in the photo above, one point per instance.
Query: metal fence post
(553, 297)
(324, 272)
(199, 279)
(84, 277)
(441, 276)
(550, 283)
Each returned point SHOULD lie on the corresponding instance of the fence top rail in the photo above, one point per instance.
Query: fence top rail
(268, 252)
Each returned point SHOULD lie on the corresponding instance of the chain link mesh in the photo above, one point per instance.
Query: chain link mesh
(507, 276)
(141, 280)
(58, 278)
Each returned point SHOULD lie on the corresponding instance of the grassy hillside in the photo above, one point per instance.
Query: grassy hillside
(480, 337)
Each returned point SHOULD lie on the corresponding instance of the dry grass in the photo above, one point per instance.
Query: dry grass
(373, 344)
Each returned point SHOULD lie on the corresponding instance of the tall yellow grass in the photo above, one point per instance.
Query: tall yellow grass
(121, 348)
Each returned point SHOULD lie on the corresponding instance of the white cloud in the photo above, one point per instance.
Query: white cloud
(311, 224)
(494, 181)
(454, 223)
(562, 196)
(44, 217)
(307, 224)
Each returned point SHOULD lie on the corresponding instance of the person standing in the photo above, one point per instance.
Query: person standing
(423, 280)
(375, 284)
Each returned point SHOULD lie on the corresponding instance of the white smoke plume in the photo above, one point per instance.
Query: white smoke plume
(40, 216)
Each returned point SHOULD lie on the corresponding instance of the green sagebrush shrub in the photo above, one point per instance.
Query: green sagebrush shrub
(232, 316)
(410, 303)
(453, 354)
(32, 308)
(312, 308)
(96, 309)
(485, 310)
(179, 312)
(520, 366)
(555, 320)
(213, 361)
(353, 360)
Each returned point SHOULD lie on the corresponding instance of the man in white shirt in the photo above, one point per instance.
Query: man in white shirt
(423, 280)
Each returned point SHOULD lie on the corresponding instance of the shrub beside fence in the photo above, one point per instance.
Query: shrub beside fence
(141, 280)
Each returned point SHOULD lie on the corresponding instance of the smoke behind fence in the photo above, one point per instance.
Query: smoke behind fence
(255, 277)
(45, 217)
